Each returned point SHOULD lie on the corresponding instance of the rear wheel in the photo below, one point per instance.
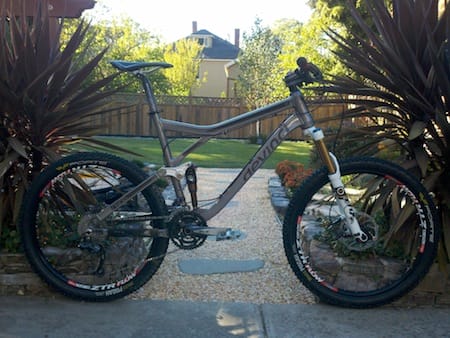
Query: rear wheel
(71, 249)
(392, 208)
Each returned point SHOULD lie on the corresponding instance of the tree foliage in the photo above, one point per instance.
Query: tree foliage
(260, 66)
(184, 55)
(309, 40)
(339, 12)
(270, 53)
(334, 15)
(289, 39)
(126, 40)
(289, 31)
(123, 39)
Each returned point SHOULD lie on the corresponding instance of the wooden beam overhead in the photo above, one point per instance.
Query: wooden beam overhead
(56, 8)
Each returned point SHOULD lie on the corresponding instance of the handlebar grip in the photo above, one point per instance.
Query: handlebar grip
(302, 62)
(305, 73)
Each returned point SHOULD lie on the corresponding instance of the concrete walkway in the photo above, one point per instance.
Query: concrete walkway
(50, 317)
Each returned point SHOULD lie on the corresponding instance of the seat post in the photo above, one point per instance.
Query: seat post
(155, 118)
(148, 92)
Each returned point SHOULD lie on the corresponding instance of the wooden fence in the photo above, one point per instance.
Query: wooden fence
(129, 115)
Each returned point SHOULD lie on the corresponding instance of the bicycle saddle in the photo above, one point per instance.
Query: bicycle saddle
(131, 66)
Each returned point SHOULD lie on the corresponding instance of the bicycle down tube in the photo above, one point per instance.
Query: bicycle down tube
(272, 142)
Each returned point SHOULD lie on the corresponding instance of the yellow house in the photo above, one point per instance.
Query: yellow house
(218, 66)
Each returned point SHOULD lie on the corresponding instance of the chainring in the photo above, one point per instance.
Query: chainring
(179, 233)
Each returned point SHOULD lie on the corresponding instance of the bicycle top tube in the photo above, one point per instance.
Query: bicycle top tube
(305, 73)
(132, 66)
(228, 124)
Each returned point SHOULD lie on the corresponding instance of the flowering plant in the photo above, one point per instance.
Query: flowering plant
(292, 173)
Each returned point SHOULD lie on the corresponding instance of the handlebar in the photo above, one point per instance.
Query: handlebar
(306, 73)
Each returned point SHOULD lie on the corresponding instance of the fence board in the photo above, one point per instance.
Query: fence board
(129, 116)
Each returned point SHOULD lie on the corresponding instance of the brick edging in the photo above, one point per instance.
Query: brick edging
(17, 278)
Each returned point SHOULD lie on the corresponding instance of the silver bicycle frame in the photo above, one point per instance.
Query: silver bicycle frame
(301, 117)
(205, 132)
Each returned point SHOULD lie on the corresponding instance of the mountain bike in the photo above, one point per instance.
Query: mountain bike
(360, 232)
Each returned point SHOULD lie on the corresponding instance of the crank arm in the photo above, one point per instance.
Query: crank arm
(219, 233)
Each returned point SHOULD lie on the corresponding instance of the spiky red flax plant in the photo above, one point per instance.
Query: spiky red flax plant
(399, 84)
(45, 102)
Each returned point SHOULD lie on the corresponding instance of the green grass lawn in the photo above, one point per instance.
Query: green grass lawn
(217, 153)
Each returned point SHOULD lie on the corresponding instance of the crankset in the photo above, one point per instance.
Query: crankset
(188, 230)
(180, 233)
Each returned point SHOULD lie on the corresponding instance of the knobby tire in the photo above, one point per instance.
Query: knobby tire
(111, 262)
(391, 206)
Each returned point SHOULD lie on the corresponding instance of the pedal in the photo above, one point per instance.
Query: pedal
(220, 234)
(230, 235)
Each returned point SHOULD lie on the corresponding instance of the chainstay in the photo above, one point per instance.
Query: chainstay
(151, 259)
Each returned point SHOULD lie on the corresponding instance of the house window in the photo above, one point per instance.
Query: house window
(205, 41)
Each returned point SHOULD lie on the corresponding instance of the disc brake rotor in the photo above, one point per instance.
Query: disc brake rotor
(370, 227)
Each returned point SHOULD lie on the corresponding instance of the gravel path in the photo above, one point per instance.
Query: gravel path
(250, 211)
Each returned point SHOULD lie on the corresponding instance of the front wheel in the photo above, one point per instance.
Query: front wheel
(76, 252)
(392, 208)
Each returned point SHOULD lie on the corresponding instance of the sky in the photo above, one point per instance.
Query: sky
(173, 19)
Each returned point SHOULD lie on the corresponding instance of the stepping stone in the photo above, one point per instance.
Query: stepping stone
(216, 266)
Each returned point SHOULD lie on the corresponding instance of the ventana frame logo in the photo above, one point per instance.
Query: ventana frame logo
(269, 147)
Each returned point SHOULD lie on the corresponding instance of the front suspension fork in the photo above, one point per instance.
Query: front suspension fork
(334, 174)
